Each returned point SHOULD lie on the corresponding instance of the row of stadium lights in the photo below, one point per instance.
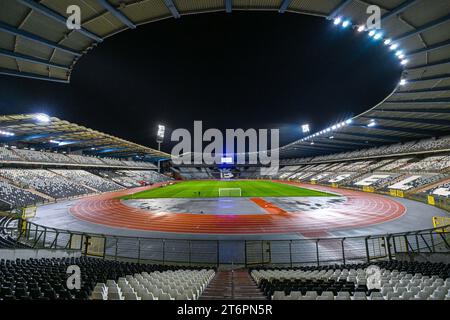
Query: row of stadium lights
(43, 118)
(376, 35)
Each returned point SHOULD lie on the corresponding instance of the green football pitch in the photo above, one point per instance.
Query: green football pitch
(210, 189)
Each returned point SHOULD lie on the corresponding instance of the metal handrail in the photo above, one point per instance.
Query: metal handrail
(300, 251)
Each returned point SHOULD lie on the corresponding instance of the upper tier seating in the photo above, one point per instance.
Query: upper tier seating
(9, 155)
(398, 148)
(85, 160)
(32, 156)
(429, 164)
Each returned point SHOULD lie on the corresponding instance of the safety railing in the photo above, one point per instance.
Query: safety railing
(295, 252)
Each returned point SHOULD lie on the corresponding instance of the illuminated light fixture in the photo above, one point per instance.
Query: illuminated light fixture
(361, 28)
(305, 128)
(328, 130)
(338, 125)
(402, 56)
(160, 133)
(333, 128)
(403, 82)
(398, 53)
(371, 124)
(372, 33)
(6, 133)
(393, 46)
(343, 123)
(55, 142)
(348, 121)
(41, 117)
(332, 137)
(404, 62)
(345, 24)
(337, 21)
(312, 142)
(378, 36)
(387, 41)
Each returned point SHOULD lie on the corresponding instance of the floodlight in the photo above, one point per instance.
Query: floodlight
(345, 24)
(378, 36)
(42, 117)
(403, 82)
(305, 128)
(361, 28)
(404, 62)
(387, 41)
(398, 53)
(337, 21)
(348, 121)
(372, 33)
(160, 133)
(372, 123)
(393, 46)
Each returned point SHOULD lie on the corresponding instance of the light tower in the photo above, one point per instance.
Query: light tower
(159, 140)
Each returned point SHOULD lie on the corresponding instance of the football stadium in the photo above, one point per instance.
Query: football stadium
(357, 209)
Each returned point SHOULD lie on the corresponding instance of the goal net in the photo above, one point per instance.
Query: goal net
(230, 192)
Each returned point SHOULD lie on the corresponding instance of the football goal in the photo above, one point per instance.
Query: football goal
(230, 192)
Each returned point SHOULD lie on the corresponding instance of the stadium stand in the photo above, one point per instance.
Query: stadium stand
(46, 279)
(165, 285)
(88, 179)
(399, 281)
(14, 197)
(8, 155)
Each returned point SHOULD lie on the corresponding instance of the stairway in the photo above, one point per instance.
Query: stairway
(232, 285)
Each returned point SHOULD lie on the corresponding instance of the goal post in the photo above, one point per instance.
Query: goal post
(230, 192)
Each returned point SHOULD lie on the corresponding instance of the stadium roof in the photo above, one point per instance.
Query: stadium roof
(42, 132)
(35, 43)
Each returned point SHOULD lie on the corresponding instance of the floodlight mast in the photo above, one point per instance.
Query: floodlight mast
(159, 140)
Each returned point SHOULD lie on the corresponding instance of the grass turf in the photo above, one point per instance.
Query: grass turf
(210, 189)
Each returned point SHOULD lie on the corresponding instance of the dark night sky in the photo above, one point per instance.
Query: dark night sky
(240, 70)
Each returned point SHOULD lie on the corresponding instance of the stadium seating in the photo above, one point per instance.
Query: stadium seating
(88, 179)
(46, 279)
(166, 285)
(15, 197)
(46, 182)
(31, 155)
(399, 281)
(9, 155)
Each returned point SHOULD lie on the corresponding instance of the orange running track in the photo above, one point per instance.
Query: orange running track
(360, 209)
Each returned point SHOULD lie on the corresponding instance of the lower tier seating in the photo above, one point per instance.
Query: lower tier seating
(399, 281)
(46, 279)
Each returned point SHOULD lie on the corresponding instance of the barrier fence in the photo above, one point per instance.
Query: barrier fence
(238, 252)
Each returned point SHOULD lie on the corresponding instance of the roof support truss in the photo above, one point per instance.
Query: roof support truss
(117, 13)
(412, 120)
(339, 8)
(433, 47)
(399, 9)
(425, 27)
(22, 57)
(24, 34)
(172, 8)
(228, 6)
(284, 5)
(57, 17)
(8, 72)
